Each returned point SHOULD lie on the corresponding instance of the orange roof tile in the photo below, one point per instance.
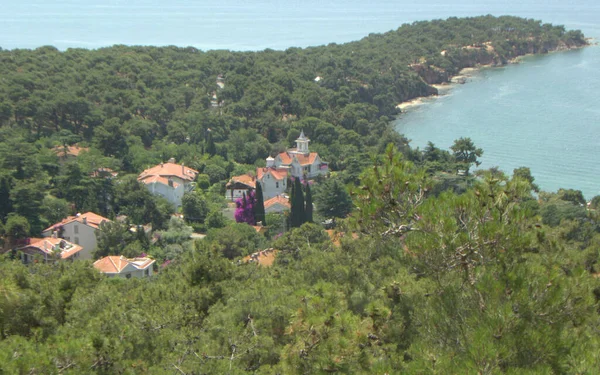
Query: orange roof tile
(277, 173)
(88, 218)
(48, 244)
(170, 170)
(116, 264)
(303, 159)
(153, 179)
(278, 199)
(245, 179)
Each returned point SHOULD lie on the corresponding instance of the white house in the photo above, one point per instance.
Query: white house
(300, 161)
(273, 182)
(169, 180)
(277, 204)
(49, 249)
(123, 267)
(80, 229)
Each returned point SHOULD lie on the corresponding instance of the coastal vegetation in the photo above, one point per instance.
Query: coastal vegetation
(432, 267)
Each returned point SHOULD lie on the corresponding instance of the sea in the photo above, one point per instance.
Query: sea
(542, 113)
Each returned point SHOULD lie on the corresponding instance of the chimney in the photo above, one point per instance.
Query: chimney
(162, 164)
(55, 234)
(172, 160)
(183, 169)
(85, 220)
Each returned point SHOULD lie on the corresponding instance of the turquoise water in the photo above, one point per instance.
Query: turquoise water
(542, 113)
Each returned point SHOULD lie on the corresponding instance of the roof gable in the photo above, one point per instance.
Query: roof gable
(89, 218)
(170, 170)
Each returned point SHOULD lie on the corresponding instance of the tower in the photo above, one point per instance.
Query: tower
(302, 144)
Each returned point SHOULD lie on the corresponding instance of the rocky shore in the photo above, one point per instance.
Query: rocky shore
(469, 59)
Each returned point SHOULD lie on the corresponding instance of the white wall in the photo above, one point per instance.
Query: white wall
(85, 237)
(275, 208)
(172, 194)
(237, 193)
(272, 187)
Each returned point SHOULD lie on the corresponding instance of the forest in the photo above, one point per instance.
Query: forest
(432, 267)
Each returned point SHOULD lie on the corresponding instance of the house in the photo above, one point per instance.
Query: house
(300, 161)
(278, 203)
(239, 185)
(273, 182)
(80, 229)
(169, 180)
(120, 266)
(49, 249)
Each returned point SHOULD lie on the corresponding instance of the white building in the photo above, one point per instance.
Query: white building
(273, 182)
(300, 161)
(279, 203)
(169, 180)
(123, 267)
(80, 229)
(49, 249)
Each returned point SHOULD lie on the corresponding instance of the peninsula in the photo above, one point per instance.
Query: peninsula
(349, 252)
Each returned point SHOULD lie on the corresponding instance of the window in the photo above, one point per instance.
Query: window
(76, 229)
(277, 185)
(128, 276)
(147, 271)
(76, 240)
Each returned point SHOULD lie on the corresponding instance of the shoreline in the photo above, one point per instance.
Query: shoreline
(466, 73)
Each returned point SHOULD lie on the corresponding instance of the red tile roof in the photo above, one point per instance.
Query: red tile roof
(153, 179)
(116, 264)
(48, 244)
(90, 218)
(279, 199)
(277, 173)
(245, 179)
(303, 159)
(170, 170)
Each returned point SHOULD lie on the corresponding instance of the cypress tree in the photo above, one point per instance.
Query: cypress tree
(259, 206)
(297, 204)
(293, 209)
(308, 207)
(211, 149)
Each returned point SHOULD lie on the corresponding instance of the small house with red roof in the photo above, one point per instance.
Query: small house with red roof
(300, 161)
(273, 182)
(80, 229)
(115, 265)
(278, 203)
(169, 180)
(49, 250)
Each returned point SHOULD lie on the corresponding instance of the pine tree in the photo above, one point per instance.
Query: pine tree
(308, 206)
(259, 206)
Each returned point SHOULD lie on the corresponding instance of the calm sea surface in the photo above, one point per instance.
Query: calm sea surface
(543, 113)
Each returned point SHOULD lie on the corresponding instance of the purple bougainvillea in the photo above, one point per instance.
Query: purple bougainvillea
(244, 212)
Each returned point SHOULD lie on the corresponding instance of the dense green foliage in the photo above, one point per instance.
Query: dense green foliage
(429, 272)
